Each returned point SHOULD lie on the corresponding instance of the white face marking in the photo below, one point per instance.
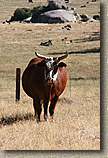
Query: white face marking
(55, 77)
(50, 67)
(49, 63)
(50, 74)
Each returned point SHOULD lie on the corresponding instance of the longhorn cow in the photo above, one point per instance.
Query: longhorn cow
(44, 80)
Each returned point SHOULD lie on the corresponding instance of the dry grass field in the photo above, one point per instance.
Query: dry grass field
(76, 124)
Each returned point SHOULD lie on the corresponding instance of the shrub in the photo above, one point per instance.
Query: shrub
(36, 11)
(21, 14)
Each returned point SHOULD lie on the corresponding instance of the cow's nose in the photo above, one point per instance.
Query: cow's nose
(49, 80)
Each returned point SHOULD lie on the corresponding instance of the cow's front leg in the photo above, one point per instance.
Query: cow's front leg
(46, 110)
(52, 106)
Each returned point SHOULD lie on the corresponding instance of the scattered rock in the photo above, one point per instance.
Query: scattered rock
(85, 17)
(68, 42)
(91, 19)
(82, 6)
(96, 17)
(64, 39)
(68, 27)
(6, 22)
(46, 43)
(73, 8)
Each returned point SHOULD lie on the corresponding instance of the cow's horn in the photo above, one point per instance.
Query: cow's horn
(41, 56)
(63, 57)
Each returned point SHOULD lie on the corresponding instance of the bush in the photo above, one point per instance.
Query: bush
(21, 14)
(36, 11)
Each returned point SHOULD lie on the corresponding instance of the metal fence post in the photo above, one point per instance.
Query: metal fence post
(18, 72)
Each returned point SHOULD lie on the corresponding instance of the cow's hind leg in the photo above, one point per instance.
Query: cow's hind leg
(37, 108)
(52, 106)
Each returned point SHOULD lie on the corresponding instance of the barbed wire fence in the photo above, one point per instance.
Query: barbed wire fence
(14, 84)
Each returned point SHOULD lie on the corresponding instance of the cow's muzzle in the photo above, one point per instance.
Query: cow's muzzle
(49, 81)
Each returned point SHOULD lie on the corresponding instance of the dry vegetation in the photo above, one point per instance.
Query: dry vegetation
(76, 124)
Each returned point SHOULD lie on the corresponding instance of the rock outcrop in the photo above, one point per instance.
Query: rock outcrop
(56, 16)
(56, 12)
(56, 4)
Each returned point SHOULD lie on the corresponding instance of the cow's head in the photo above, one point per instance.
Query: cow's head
(51, 65)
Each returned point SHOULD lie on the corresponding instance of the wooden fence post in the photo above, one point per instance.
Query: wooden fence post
(18, 72)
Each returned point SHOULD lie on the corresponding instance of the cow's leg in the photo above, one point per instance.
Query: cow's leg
(46, 110)
(37, 108)
(52, 106)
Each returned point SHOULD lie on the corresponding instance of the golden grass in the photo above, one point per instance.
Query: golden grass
(76, 124)
(75, 127)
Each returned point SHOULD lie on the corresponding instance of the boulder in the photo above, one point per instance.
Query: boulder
(96, 17)
(85, 17)
(68, 27)
(56, 4)
(56, 16)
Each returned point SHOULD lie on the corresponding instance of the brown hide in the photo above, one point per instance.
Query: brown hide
(34, 85)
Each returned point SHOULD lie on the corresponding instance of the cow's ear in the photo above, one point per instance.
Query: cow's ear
(41, 64)
(62, 64)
